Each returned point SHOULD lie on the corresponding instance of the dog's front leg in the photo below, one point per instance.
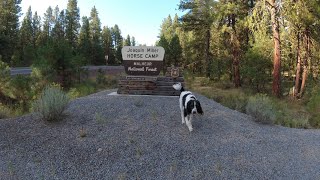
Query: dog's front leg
(188, 122)
(182, 117)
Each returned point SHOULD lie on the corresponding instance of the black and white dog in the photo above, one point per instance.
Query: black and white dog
(189, 105)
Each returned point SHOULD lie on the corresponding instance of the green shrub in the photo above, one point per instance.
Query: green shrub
(21, 90)
(313, 106)
(4, 77)
(4, 112)
(74, 93)
(112, 81)
(261, 108)
(82, 89)
(101, 78)
(51, 104)
(315, 121)
(256, 66)
(290, 114)
(237, 102)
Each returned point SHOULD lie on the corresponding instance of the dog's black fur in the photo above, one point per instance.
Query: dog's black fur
(189, 105)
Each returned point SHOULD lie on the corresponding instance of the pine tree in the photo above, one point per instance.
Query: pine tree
(97, 57)
(166, 28)
(47, 26)
(72, 23)
(199, 19)
(276, 83)
(176, 50)
(127, 41)
(58, 31)
(117, 43)
(25, 46)
(232, 24)
(9, 27)
(163, 42)
(107, 45)
(302, 21)
(36, 29)
(84, 39)
(266, 14)
(62, 49)
(133, 41)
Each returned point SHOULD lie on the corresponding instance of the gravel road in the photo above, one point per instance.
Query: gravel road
(141, 137)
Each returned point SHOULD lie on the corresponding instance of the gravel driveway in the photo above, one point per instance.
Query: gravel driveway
(141, 137)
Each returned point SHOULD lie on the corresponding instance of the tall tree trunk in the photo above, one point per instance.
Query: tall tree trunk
(305, 62)
(218, 64)
(276, 89)
(236, 69)
(298, 71)
(208, 61)
(235, 55)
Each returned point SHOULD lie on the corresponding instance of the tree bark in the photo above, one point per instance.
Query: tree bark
(305, 62)
(235, 54)
(298, 71)
(236, 69)
(276, 89)
(208, 61)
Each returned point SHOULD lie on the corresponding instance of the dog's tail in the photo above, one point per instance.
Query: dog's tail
(178, 87)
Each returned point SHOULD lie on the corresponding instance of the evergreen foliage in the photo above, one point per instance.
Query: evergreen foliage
(95, 38)
(117, 40)
(72, 24)
(84, 40)
(127, 41)
(10, 12)
(5, 78)
(108, 46)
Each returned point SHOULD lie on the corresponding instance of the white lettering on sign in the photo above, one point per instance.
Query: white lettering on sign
(139, 63)
(143, 53)
(151, 69)
(135, 69)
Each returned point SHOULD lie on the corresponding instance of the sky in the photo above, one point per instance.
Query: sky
(138, 18)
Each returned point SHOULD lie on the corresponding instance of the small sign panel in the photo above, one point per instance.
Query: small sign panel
(143, 60)
(142, 53)
(175, 72)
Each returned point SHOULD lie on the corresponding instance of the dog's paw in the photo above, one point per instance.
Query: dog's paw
(190, 129)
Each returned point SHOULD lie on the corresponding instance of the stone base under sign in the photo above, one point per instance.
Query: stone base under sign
(149, 85)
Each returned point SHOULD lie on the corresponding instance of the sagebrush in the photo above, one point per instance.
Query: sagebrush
(261, 108)
(51, 104)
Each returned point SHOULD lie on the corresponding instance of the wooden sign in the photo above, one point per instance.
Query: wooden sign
(175, 72)
(142, 60)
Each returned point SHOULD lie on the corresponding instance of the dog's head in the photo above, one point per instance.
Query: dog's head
(178, 87)
(194, 107)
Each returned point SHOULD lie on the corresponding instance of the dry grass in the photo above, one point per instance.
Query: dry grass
(288, 112)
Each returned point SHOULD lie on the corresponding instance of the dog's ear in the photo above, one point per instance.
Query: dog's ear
(199, 108)
(190, 106)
